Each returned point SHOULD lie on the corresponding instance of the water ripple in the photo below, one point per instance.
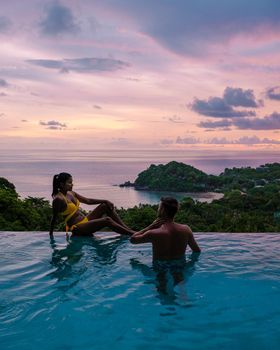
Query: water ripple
(105, 292)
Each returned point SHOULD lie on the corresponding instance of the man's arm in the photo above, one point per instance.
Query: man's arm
(140, 237)
(193, 244)
(155, 224)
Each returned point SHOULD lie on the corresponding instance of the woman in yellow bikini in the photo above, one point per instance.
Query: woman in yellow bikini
(66, 202)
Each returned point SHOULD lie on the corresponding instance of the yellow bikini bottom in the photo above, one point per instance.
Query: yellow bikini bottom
(85, 219)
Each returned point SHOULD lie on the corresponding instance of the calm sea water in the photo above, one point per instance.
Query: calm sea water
(103, 293)
(95, 172)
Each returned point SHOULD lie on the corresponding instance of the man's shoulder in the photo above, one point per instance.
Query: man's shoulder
(170, 230)
(183, 227)
(157, 233)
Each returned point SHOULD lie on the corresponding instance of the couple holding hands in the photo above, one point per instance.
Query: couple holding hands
(169, 239)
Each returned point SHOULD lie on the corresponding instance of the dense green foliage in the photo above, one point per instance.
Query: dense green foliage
(251, 202)
(248, 178)
(256, 211)
(22, 214)
(139, 217)
(6, 185)
(176, 176)
(253, 208)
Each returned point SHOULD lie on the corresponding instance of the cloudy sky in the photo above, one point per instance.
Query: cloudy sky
(139, 74)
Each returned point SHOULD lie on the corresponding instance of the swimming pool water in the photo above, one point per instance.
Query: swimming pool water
(102, 293)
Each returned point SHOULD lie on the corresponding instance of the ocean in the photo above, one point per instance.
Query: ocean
(97, 173)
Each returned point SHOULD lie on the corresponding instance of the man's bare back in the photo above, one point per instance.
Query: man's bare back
(169, 239)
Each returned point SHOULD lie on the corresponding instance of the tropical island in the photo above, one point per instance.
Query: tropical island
(179, 177)
(251, 201)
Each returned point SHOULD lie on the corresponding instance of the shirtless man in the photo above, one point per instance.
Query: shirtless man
(168, 238)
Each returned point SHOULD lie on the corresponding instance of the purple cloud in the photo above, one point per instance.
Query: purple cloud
(240, 98)
(81, 65)
(269, 122)
(245, 140)
(217, 124)
(218, 141)
(254, 140)
(58, 20)
(218, 108)
(53, 125)
(186, 140)
(195, 27)
(222, 107)
(273, 93)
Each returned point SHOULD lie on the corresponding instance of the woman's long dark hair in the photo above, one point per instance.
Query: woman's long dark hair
(57, 180)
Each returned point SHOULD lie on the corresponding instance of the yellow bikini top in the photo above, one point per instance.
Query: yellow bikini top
(71, 209)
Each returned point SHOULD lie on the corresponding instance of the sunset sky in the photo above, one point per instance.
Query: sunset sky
(140, 74)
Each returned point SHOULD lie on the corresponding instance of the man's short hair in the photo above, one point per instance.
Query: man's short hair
(170, 205)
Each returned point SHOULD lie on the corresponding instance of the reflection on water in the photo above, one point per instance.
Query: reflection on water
(81, 254)
(169, 278)
(74, 259)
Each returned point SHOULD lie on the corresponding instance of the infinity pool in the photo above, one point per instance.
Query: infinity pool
(103, 293)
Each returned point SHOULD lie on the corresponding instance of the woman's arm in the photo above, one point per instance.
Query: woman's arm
(90, 201)
(155, 224)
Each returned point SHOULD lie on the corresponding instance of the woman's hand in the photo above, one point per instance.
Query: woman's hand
(157, 223)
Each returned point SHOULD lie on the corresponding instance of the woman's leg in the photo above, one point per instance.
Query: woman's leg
(95, 225)
(104, 209)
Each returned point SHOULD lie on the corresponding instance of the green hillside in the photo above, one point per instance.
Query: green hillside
(180, 177)
(173, 176)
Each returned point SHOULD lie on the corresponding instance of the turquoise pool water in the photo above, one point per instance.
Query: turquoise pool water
(103, 293)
